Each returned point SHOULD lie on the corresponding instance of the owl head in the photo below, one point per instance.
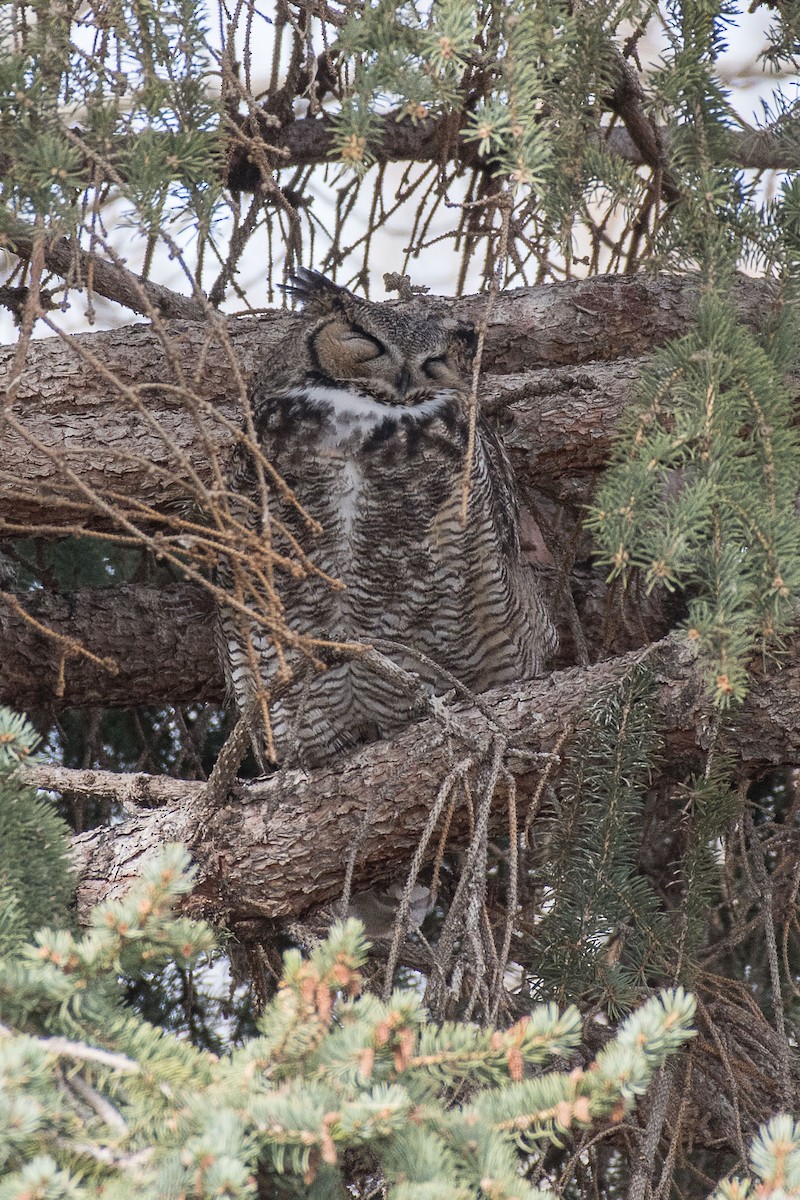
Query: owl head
(398, 356)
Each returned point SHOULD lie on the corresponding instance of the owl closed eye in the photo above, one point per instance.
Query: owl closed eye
(362, 346)
(400, 355)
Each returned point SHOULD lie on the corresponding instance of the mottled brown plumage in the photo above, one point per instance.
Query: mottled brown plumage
(366, 420)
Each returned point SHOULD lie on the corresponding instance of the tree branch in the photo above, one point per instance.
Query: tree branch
(111, 280)
(133, 790)
(134, 626)
(774, 148)
(279, 847)
(545, 374)
(310, 142)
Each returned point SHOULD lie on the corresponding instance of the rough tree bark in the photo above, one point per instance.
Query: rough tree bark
(278, 847)
(127, 629)
(560, 365)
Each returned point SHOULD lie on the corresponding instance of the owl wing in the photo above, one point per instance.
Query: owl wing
(456, 592)
(493, 475)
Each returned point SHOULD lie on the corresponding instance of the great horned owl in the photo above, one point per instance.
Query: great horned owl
(365, 419)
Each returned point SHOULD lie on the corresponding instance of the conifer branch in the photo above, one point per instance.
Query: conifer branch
(133, 790)
(113, 465)
(113, 281)
(767, 149)
(774, 1161)
(327, 1072)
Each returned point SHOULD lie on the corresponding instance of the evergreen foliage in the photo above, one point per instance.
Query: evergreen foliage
(99, 1102)
(526, 82)
(523, 89)
(774, 1160)
(595, 894)
(702, 491)
(139, 75)
(529, 84)
(36, 881)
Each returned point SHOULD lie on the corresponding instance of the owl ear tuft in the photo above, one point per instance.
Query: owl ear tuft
(317, 293)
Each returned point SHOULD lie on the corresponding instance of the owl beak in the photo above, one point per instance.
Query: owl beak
(402, 381)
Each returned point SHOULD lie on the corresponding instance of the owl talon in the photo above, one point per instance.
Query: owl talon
(441, 708)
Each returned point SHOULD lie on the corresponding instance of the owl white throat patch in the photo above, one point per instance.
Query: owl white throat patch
(352, 412)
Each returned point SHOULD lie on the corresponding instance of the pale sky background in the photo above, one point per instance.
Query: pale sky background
(438, 266)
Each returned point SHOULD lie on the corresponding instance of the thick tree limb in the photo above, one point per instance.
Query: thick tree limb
(309, 142)
(564, 418)
(557, 420)
(279, 847)
(134, 626)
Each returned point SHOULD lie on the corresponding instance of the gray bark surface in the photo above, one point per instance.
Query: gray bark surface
(560, 367)
(279, 846)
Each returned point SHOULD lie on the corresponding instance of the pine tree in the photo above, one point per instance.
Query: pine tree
(625, 826)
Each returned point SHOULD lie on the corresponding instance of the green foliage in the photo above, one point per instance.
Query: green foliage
(120, 1108)
(13, 926)
(716, 223)
(534, 69)
(36, 881)
(774, 1159)
(18, 740)
(34, 847)
(712, 806)
(144, 84)
(597, 899)
(121, 108)
(62, 980)
(530, 82)
(702, 491)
